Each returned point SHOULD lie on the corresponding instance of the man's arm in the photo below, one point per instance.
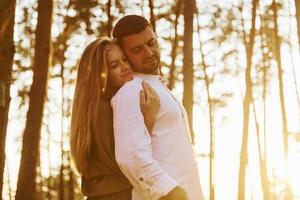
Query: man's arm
(133, 146)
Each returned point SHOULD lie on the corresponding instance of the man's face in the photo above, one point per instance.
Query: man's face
(142, 51)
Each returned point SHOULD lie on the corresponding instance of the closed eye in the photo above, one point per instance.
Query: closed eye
(151, 42)
(137, 49)
(113, 64)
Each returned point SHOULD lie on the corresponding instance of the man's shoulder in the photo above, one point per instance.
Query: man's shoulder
(129, 88)
(135, 82)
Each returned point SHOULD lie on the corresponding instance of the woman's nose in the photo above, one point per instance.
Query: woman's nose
(125, 65)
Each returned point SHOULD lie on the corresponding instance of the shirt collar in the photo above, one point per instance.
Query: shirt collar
(150, 77)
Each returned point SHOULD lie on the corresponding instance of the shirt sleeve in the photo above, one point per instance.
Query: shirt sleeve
(133, 146)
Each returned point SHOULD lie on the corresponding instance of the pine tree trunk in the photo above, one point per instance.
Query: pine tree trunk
(62, 167)
(63, 38)
(296, 83)
(7, 50)
(263, 157)
(70, 183)
(110, 18)
(188, 71)
(280, 81)
(262, 161)
(61, 178)
(297, 5)
(246, 106)
(152, 16)
(26, 187)
(171, 83)
(281, 93)
(211, 117)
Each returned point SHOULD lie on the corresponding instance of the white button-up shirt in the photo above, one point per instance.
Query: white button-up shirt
(154, 163)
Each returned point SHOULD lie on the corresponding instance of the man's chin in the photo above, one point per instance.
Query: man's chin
(150, 70)
(145, 69)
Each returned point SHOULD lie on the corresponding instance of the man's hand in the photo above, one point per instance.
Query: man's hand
(150, 104)
(176, 194)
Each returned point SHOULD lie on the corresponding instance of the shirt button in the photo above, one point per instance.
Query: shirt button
(141, 179)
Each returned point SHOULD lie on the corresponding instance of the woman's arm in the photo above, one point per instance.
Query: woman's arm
(150, 104)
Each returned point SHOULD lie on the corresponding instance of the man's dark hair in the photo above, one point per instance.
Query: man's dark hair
(129, 25)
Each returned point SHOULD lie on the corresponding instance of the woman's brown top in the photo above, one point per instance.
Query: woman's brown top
(103, 176)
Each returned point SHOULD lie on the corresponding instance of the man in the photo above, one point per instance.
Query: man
(161, 165)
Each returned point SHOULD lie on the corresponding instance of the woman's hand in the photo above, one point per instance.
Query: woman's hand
(177, 193)
(150, 104)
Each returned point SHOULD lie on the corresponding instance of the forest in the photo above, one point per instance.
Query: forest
(233, 63)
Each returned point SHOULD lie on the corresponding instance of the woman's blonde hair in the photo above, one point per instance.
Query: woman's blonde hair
(90, 84)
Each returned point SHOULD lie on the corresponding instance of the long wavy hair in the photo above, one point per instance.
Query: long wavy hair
(90, 85)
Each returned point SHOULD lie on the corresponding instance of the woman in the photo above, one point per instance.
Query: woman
(102, 70)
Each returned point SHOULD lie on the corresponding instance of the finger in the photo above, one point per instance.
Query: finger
(142, 97)
(152, 91)
(146, 90)
(149, 89)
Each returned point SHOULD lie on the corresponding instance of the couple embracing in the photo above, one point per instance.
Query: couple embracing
(130, 137)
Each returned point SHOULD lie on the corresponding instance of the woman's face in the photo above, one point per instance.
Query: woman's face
(119, 70)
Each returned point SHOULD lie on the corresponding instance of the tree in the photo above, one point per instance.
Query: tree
(246, 105)
(83, 10)
(210, 116)
(188, 71)
(291, 53)
(281, 91)
(152, 17)
(297, 5)
(108, 26)
(26, 187)
(263, 158)
(7, 49)
(174, 46)
(280, 79)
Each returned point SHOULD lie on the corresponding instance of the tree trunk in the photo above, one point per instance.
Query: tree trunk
(63, 38)
(211, 118)
(297, 5)
(152, 17)
(246, 106)
(110, 18)
(61, 177)
(7, 50)
(262, 161)
(188, 71)
(280, 81)
(263, 158)
(70, 183)
(292, 59)
(171, 83)
(62, 167)
(26, 187)
(281, 94)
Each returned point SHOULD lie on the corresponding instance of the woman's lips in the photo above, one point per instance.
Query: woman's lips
(128, 74)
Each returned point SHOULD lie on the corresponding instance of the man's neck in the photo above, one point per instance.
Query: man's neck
(155, 72)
